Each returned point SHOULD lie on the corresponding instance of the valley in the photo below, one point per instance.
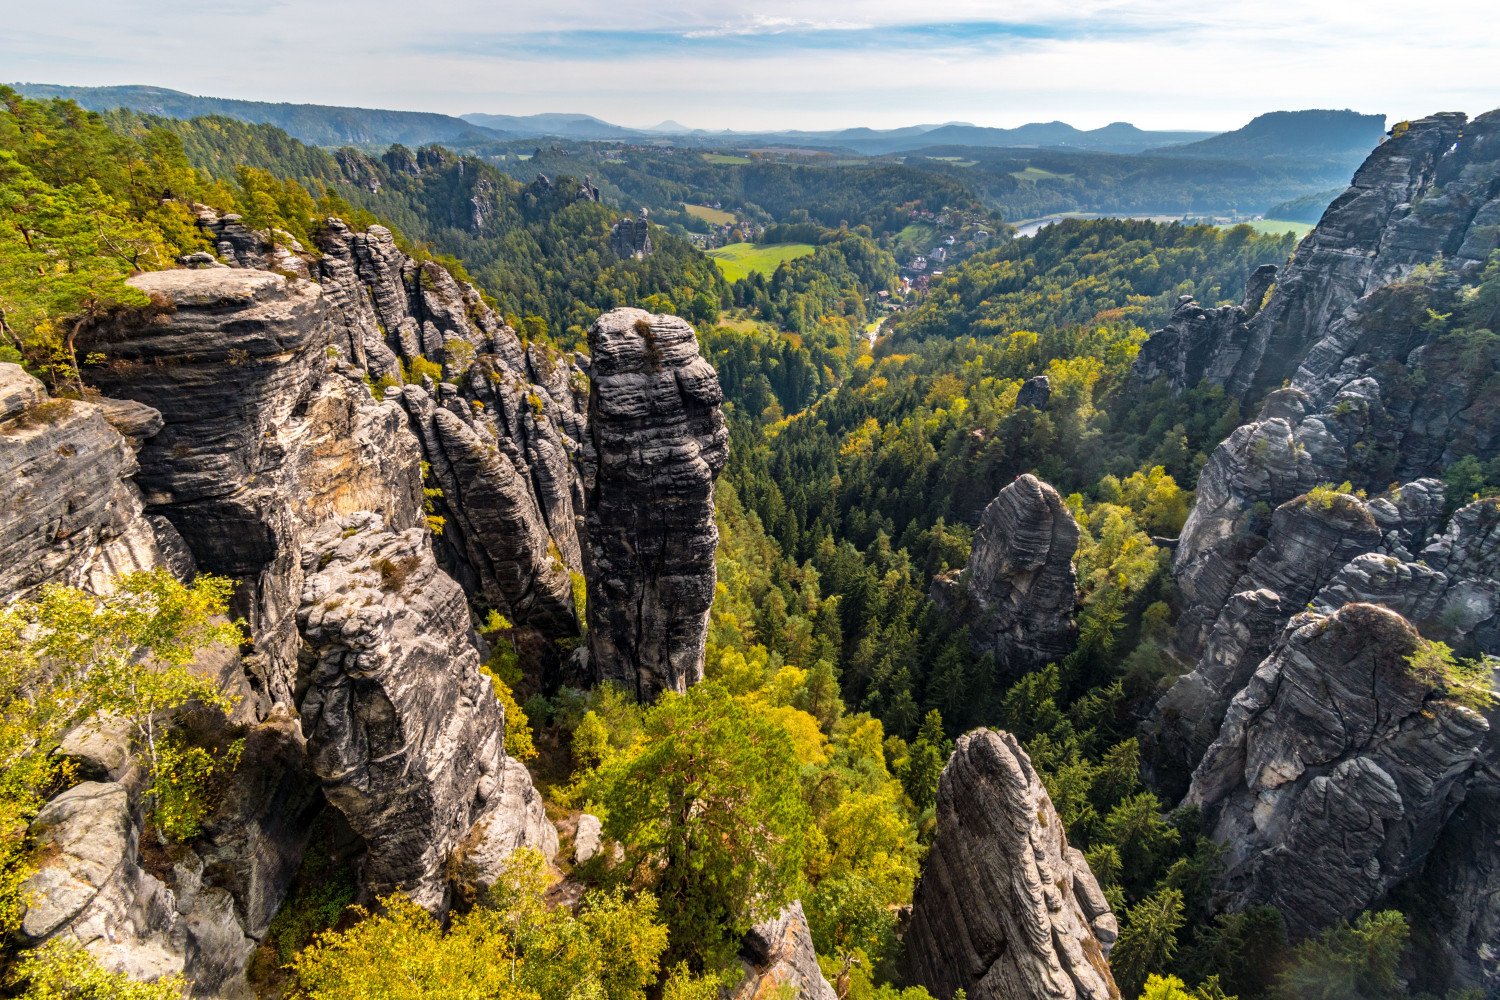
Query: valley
(850, 565)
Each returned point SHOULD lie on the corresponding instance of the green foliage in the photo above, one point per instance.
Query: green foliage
(1147, 940)
(61, 970)
(322, 891)
(180, 784)
(68, 654)
(709, 812)
(1172, 988)
(513, 946)
(1086, 271)
(1470, 682)
(1349, 963)
(414, 371)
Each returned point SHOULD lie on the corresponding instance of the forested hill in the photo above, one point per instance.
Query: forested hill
(318, 124)
(1343, 135)
(541, 249)
(1076, 272)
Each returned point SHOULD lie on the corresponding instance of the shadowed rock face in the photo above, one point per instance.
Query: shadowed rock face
(1335, 770)
(1005, 909)
(1019, 590)
(659, 442)
(402, 727)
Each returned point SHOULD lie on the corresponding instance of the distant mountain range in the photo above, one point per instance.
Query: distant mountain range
(316, 124)
(1120, 137)
(1309, 134)
(1303, 133)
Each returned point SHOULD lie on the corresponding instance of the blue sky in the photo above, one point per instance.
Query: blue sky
(784, 64)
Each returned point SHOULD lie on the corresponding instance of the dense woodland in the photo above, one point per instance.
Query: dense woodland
(835, 687)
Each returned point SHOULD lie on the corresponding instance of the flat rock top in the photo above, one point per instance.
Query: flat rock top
(209, 285)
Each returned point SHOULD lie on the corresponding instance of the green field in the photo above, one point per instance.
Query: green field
(724, 158)
(712, 216)
(1038, 174)
(1297, 229)
(739, 259)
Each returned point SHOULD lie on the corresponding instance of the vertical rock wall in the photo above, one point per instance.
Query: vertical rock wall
(659, 442)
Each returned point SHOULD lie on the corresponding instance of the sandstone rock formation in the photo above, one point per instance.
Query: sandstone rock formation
(631, 238)
(506, 451)
(1019, 590)
(659, 442)
(1309, 541)
(204, 913)
(1005, 909)
(1035, 392)
(1425, 192)
(402, 727)
(243, 465)
(247, 394)
(1331, 774)
(780, 962)
(1336, 768)
(1198, 343)
(69, 509)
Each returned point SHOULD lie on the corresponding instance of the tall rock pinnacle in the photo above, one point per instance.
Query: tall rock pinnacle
(1006, 910)
(659, 443)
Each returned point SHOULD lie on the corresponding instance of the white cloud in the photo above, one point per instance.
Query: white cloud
(783, 63)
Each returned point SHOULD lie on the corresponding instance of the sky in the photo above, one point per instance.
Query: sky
(772, 64)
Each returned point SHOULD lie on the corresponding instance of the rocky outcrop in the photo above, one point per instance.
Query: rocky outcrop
(631, 238)
(1427, 192)
(503, 432)
(1336, 768)
(69, 509)
(659, 441)
(1035, 392)
(779, 961)
(1450, 590)
(1005, 909)
(1310, 540)
(402, 728)
(1019, 590)
(1327, 769)
(199, 908)
(248, 393)
(244, 465)
(1200, 344)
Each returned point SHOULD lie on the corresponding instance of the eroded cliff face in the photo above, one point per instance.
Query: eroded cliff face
(1005, 909)
(1019, 591)
(264, 454)
(1336, 768)
(401, 726)
(1429, 191)
(1332, 771)
(659, 443)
